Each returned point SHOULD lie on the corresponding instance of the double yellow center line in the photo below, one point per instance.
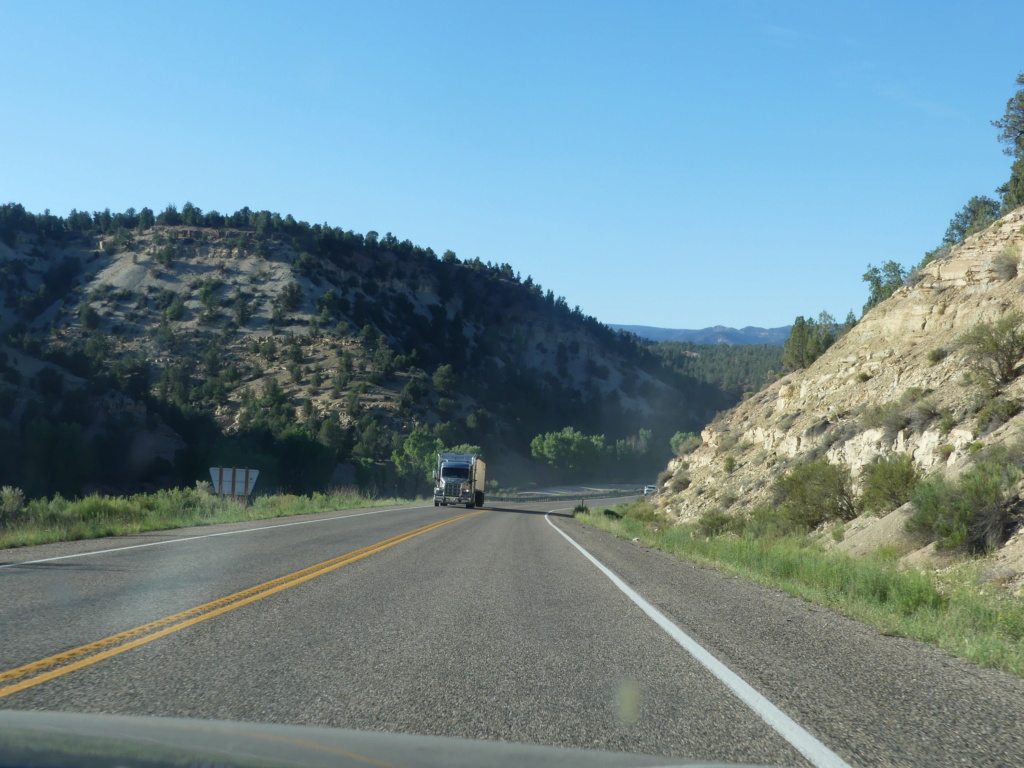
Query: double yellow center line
(29, 675)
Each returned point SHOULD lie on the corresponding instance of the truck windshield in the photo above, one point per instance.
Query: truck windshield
(453, 474)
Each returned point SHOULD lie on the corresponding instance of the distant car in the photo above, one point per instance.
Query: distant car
(650, 490)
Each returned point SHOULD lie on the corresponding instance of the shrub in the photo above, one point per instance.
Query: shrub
(580, 509)
(727, 442)
(888, 483)
(685, 442)
(766, 522)
(947, 422)
(909, 410)
(12, 504)
(995, 413)
(972, 511)
(165, 256)
(680, 482)
(994, 350)
(89, 317)
(715, 523)
(176, 309)
(290, 297)
(945, 451)
(1005, 454)
(96, 507)
(891, 417)
(938, 254)
(729, 464)
(816, 492)
(863, 376)
(787, 421)
(937, 355)
(643, 511)
(922, 413)
(1005, 265)
(208, 293)
(663, 477)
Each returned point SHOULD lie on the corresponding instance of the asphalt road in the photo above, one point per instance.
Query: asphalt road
(491, 626)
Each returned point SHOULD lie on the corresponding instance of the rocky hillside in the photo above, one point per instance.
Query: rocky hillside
(187, 339)
(896, 384)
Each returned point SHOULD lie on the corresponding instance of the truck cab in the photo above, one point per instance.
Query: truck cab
(459, 479)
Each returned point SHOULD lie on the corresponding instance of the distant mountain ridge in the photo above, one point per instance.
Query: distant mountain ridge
(718, 334)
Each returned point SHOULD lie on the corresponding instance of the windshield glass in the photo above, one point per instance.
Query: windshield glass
(341, 419)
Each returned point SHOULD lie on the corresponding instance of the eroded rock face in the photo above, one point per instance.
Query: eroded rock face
(893, 384)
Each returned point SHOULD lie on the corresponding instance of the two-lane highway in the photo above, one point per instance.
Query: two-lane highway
(485, 624)
(56, 595)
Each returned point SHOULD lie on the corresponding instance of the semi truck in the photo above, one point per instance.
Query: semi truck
(459, 479)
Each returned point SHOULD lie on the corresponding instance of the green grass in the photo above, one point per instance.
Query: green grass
(47, 520)
(956, 612)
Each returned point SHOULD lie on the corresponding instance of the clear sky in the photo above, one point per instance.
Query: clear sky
(674, 164)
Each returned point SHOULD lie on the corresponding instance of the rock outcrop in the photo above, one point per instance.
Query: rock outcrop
(894, 383)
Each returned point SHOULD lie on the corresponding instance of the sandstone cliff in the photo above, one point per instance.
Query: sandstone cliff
(894, 383)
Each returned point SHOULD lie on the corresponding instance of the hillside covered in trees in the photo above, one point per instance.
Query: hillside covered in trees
(737, 369)
(143, 348)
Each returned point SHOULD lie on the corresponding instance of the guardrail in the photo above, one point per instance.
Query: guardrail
(520, 498)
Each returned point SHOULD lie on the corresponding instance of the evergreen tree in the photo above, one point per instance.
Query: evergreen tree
(883, 282)
(808, 340)
(1011, 134)
(146, 219)
(978, 213)
(794, 352)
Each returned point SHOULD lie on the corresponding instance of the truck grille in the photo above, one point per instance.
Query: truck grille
(451, 489)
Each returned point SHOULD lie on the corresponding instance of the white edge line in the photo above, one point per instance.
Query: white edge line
(205, 536)
(789, 729)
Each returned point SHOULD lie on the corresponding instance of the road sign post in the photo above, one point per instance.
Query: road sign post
(234, 481)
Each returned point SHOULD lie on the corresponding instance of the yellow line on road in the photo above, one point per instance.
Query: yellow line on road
(29, 675)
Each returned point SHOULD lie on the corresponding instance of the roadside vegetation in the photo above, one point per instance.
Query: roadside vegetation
(955, 610)
(45, 520)
(780, 543)
(974, 511)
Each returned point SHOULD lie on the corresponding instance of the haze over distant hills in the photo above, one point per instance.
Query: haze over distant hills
(718, 334)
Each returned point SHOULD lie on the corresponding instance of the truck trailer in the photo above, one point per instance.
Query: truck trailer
(459, 479)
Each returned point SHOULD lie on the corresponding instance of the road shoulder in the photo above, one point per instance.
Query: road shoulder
(842, 680)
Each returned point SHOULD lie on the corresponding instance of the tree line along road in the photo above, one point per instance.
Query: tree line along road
(512, 623)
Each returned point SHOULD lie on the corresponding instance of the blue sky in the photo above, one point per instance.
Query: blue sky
(674, 164)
